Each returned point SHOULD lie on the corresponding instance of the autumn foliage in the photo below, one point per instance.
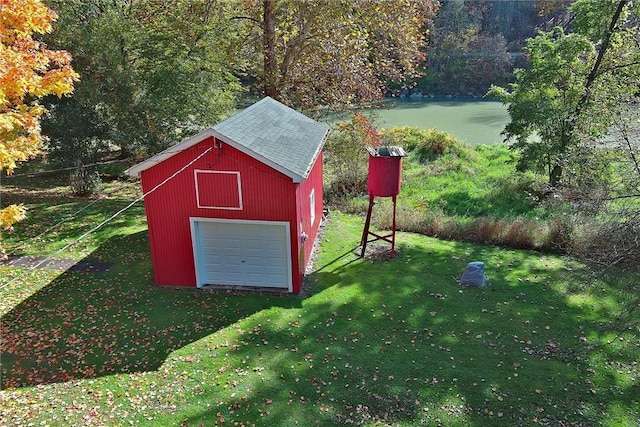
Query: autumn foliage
(367, 130)
(28, 71)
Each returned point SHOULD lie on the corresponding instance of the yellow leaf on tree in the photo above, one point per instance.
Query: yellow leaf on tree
(10, 215)
(28, 71)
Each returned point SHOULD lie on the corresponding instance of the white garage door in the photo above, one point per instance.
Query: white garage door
(241, 253)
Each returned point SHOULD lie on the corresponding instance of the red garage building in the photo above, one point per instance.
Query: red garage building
(238, 204)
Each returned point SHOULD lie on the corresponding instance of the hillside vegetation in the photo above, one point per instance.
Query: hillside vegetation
(456, 191)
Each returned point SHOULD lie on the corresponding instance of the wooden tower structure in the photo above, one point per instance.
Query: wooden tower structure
(384, 180)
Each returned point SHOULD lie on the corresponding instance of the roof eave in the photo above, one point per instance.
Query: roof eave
(316, 154)
(136, 170)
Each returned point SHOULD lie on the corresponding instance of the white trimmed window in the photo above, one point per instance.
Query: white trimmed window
(218, 190)
(312, 205)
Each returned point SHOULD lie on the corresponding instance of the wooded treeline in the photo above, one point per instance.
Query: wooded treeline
(476, 43)
(154, 72)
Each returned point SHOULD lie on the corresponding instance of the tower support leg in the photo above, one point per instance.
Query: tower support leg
(367, 224)
(393, 229)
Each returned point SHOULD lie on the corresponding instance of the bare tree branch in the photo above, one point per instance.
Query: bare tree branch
(596, 66)
(248, 18)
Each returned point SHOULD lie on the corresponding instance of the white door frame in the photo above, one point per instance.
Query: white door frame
(195, 243)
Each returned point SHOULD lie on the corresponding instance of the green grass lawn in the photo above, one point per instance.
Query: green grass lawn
(373, 341)
(478, 181)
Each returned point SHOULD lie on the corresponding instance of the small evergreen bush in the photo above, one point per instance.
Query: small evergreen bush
(84, 182)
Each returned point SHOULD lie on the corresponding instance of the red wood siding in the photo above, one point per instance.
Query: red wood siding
(303, 192)
(267, 195)
(208, 189)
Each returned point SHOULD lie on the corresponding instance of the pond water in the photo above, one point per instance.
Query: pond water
(474, 121)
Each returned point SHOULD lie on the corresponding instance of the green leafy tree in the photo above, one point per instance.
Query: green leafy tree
(151, 72)
(573, 87)
(541, 102)
(331, 53)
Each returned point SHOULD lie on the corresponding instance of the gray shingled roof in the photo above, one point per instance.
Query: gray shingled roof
(277, 133)
(269, 131)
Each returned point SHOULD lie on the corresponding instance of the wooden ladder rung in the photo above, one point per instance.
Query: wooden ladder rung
(390, 238)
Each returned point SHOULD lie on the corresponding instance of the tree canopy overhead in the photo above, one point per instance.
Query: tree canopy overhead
(327, 53)
(152, 73)
(28, 72)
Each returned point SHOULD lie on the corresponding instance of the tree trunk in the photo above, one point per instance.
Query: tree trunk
(555, 174)
(606, 41)
(269, 48)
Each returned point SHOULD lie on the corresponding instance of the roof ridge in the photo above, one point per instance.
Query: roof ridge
(268, 131)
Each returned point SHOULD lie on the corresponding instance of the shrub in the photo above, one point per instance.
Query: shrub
(352, 205)
(613, 243)
(415, 219)
(560, 236)
(425, 144)
(340, 190)
(346, 161)
(521, 234)
(517, 233)
(84, 182)
(485, 230)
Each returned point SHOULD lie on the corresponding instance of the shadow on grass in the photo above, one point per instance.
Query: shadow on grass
(398, 341)
(45, 181)
(86, 325)
(377, 341)
(58, 218)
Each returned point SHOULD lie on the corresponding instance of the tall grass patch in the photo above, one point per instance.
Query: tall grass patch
(519, 233)
(475, 194)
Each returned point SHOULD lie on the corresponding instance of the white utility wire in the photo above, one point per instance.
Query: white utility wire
(112, 217)
(68, 218)
(70, 168)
